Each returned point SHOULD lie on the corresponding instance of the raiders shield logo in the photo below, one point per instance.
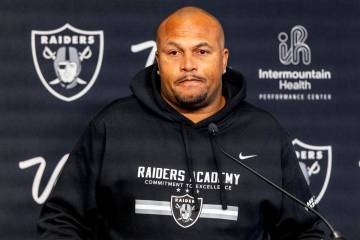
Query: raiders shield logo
(67, 60)
(183, 210)
(318, 162)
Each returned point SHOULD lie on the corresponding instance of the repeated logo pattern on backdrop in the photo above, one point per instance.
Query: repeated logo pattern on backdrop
(76, 58)
(317, 160)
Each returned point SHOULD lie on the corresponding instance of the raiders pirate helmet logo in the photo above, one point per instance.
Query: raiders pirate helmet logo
(183, 210)
(67, 65)
(67, 60)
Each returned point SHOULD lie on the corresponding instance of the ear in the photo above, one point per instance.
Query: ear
(157, 56)
(157, 62)
(225, 56)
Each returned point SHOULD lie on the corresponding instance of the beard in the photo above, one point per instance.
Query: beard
(191, 101)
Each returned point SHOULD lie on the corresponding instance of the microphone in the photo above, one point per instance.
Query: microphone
(213, 131)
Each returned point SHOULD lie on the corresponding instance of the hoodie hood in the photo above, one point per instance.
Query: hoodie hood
(146, 88)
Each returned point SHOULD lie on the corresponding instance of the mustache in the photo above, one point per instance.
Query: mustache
(190, 77)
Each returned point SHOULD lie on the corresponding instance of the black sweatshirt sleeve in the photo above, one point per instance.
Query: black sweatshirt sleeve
(295, 222)
(70, 211)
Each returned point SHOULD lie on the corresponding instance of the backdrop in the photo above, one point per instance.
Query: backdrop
(62, 61)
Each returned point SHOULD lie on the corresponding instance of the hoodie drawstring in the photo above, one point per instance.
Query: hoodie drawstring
(190, 167)
(223, 198)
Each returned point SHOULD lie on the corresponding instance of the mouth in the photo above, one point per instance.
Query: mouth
(190, 81)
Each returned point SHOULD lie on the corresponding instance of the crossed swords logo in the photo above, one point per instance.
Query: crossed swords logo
(86, 54)
(314, 168)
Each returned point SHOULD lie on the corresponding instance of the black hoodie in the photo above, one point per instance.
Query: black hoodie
(141, 170)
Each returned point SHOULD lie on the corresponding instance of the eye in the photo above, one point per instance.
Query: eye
(202, 52)
(173, 53)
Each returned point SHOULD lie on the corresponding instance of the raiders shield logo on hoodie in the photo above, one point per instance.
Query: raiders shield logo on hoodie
(67, 60)
(183, 210)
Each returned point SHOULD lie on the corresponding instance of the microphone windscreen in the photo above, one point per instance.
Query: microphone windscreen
(213, 129)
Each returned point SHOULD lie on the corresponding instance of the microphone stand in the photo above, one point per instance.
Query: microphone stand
(335, 235)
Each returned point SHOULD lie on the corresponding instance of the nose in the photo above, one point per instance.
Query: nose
(188, 63)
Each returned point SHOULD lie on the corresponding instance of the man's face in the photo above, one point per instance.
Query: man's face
(191, 60)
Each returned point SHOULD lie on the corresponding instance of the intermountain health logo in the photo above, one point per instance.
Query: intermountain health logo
(297, 49)
(295, 79)
(318, 164)
(67, 60)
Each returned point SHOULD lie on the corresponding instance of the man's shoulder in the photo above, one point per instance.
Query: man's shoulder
(117, 109)
(257, 112)
(259, 116)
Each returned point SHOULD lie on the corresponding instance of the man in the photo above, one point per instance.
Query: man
(148, 168)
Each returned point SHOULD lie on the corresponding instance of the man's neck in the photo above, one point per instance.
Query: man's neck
(199, 114)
